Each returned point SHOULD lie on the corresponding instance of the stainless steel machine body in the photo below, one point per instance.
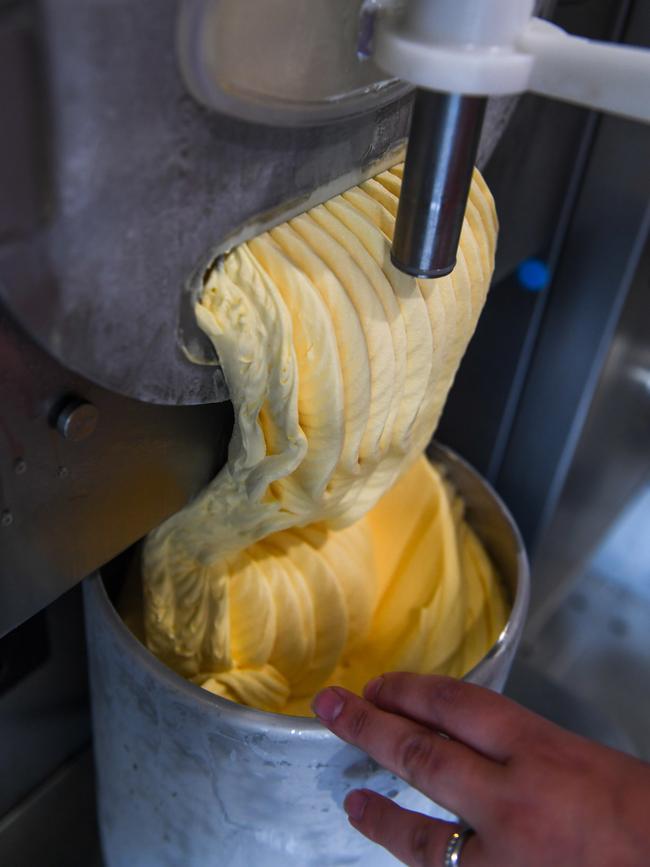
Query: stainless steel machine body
(188, 779)
(141, 183)
(120, 187)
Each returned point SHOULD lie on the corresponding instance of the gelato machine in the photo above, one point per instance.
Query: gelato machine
(139, 144)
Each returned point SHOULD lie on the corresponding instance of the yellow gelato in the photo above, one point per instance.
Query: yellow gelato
(327, 549)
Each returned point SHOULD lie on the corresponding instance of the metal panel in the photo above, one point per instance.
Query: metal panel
(56, 825)
(599, 259)
(45, 717)
(68, 505)
(143, 182)
(610, 459)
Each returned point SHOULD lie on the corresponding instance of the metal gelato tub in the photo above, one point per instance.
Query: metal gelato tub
(188, 779)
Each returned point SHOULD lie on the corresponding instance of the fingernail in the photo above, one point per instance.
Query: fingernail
(327, 705)
(371, 689)
(355, 804)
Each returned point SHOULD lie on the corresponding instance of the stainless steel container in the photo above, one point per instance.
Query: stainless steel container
(187, 779)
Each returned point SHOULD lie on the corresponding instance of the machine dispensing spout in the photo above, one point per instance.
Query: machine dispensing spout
(458, 53)
(443, 142)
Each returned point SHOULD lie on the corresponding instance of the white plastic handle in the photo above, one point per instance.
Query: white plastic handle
(612, 78)
(495, 47)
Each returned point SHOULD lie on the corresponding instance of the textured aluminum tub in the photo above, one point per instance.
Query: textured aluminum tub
(187, 779)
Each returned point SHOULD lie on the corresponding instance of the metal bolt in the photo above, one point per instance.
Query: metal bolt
(63, 472)
(20, 466)
(77, 420)
(6, 519)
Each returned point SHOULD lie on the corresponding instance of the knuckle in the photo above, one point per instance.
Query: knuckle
(357, 723)
(447, 692)
(419, 755)
(519, 745)
(423, 844)
(373, 822)
(420, 843)
(397, 683)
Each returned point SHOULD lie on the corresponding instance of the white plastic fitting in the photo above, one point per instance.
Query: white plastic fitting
(497, 47)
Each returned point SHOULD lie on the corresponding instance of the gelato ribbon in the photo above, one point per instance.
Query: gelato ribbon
(327, 548)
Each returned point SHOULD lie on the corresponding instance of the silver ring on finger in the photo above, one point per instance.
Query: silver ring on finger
(455, 847)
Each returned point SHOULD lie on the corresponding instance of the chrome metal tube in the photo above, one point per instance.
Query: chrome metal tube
(443, 142)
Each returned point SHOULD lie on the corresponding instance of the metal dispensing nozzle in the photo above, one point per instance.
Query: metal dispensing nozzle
(443, 142)
(457, 53)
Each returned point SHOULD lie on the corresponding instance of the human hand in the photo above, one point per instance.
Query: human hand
(535, 794)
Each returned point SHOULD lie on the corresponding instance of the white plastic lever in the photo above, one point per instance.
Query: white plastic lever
(496, 47)
(611, 78)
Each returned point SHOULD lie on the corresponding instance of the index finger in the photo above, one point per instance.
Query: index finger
(482, 719)
(448, 772)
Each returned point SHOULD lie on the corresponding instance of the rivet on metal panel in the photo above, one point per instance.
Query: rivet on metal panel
(76, 420)
(20, 466)
(6, 519)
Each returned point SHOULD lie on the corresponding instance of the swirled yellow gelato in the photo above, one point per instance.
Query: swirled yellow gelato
(327, 548)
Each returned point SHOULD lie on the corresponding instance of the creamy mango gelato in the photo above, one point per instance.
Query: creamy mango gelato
(327, 549)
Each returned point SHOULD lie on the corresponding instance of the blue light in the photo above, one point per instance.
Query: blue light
(533, 275)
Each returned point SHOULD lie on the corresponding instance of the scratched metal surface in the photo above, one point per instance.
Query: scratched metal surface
(67, 507)
(142, 181)
(139, 182)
